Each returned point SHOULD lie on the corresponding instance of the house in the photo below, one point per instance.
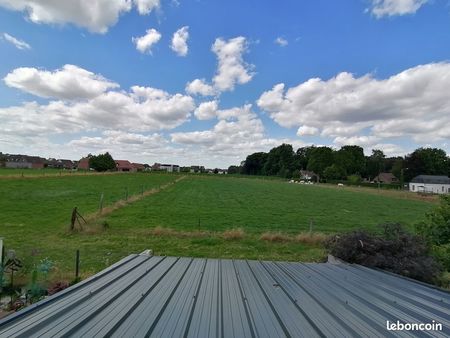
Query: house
(60, 164)
(124, 165)
(309, 175)
(151, 296)
(430, 184)
(83, 164)
(138, 167)
(25, 162)
(170, 168)
(387, 178)
(197, 169)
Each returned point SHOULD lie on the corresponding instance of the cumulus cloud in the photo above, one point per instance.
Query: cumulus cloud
(413, 103)
(381, 8)
(281, 41)
(206, 110)
(238, 132)
(200, 87)
(19, 44)
(95, 15)
(86, 104)
(146, 6)
(179, 41)
(231, 68)
(307, 131)
(144, 43)
(68, 83)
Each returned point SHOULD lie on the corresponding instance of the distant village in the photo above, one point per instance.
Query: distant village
(18, 161)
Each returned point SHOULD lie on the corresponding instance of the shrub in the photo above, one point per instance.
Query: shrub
(395, 251)
(233, 234)
(311, 238)
(436, 228)
(274, 237)
(442, 254)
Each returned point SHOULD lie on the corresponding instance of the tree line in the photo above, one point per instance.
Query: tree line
(348, 162)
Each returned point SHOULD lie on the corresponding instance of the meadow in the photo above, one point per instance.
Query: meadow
(196, 216)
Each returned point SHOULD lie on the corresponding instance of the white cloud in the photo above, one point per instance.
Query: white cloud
(19, 44)
(146, 6)
(206, 110)
(144, 43)
(231, 68)
(381, 8)
(95, 15)
(179, 41)
(413, 104)
(199, 86)
(238, 133)
(307, 131)
(68, 83)
(281, 41)
(142, 109)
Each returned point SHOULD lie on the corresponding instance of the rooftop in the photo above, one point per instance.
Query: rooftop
(146, 295)
(431, 179)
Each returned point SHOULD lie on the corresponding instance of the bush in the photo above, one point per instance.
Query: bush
(436, 228)
(442, 254)
(395, 250)
(233, 234)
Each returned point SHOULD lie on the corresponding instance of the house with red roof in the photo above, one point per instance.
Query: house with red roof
(124, 165)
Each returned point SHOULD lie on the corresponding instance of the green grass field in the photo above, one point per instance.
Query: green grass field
(35, 214)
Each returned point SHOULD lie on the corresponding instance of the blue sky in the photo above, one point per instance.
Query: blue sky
(209, 82)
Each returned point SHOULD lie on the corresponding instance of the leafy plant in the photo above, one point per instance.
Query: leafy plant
(395, 250)
(36, 290)
(436, 228)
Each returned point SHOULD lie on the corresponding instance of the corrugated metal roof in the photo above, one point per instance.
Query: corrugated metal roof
(143, 296)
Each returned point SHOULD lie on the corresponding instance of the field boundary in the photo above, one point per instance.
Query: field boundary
(72, 174)
(91, 217)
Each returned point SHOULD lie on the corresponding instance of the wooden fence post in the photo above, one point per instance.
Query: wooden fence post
(77, 265)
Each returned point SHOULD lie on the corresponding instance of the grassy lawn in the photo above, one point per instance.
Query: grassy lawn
(35, 214)
(258, 206)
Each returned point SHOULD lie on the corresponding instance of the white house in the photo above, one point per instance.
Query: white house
(170, 168)
(430, 184)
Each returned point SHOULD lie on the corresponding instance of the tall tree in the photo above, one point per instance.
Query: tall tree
(426, 161)
(302, 156)
(254, 164)
(319, 159)
(102, 162)
(351, 159)
(375, 163)
(280, 161)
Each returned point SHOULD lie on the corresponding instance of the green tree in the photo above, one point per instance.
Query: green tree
(375, 163)
(102, 162)
(280, 161)
(426, 161)
(334, 172)
(351, 159)
(302, 156)
(254, 164)
(319, 159)
(234, 169)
